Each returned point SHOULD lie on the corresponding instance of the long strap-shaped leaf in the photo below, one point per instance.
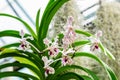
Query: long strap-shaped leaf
(32, 55)
(49, 7)
(27, 55)
(106, 51)
(80, 43)
(14, 33)
(111, 74)
(51, 14)
(37, 21)
(86, 77)
(14, 54)
(83, 33)
(73, 75)
(66, 68)
(17, 74)
(46, 19)
(68, 76)
(11, 45)
(23, 22)
(21, 65)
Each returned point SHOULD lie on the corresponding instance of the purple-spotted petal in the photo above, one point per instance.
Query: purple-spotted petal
(53, 51)
(66, 60)
(95, 48)
(24, 45)
(49, 70)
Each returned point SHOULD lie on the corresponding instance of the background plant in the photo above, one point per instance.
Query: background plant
(108, 21)
(41, 55)
(60, 18)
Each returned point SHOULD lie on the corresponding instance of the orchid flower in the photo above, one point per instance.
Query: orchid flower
(52, 47)
(69, 35)
(24, 44)
(69, 51)
(53, 51)
(66, 59)
(48, 69)
(47, 41)
(95, 42)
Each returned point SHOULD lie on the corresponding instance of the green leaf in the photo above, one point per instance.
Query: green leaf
(68, 76)
(32, 55)
(32, 68)
(66, 68)
(7, 50)
(37, 21)
(17, 74)
(106, 51)
(83, 32)
(45, 15)
(79, 43)
(28, 60)
(23, 22)
(11, 45)
(46, 19)
(52, 13)
(24, 54)
(61, 35)
(102, 47)
(86, 77)
(111, 74)
(14, 33)
(109, 54)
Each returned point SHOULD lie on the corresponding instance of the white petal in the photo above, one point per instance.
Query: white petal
(22, 33)
(98, 34)
(46, 41)
(70, 51)
(46, 74)
(52, 71)
(68, 62)
(45, 59)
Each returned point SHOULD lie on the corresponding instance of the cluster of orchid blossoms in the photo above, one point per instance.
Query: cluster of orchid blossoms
(54, 49)
(66, 49)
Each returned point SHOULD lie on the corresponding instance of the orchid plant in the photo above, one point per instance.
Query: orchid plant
(52, 59)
